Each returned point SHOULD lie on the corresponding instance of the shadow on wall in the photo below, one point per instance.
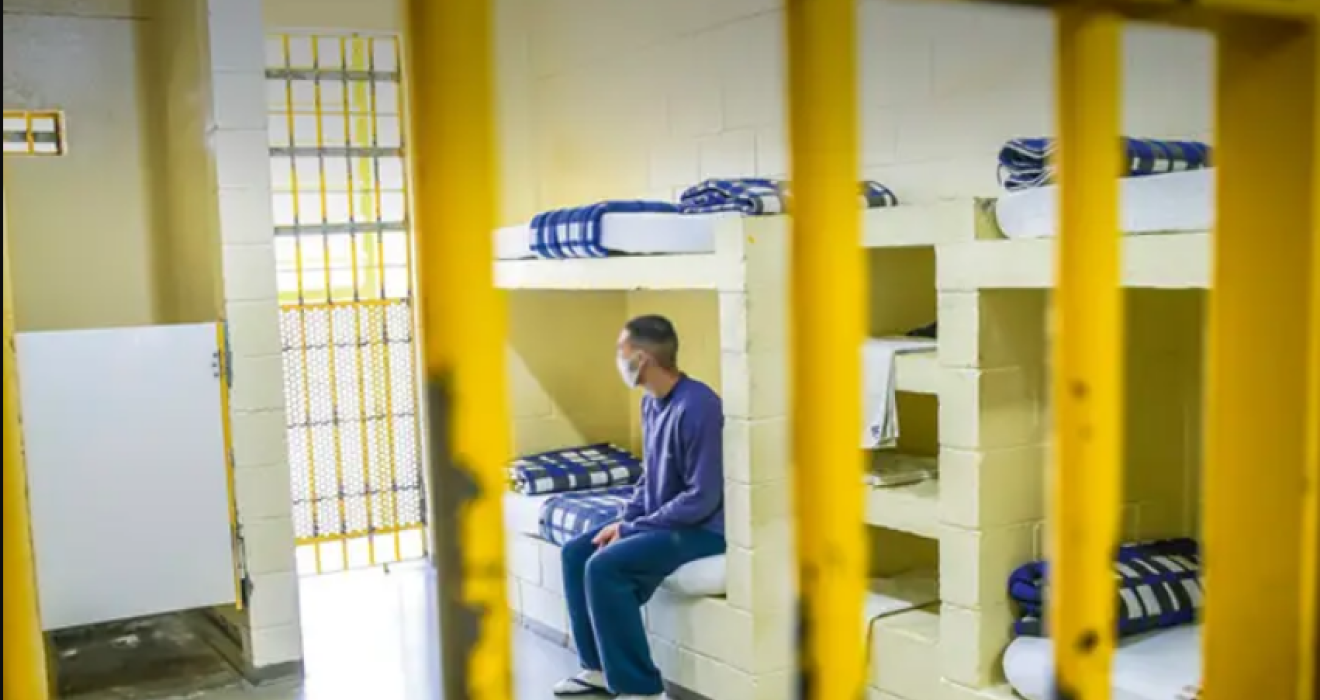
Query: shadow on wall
(564, 389)
(563, 384)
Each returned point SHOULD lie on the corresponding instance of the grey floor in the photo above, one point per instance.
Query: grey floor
(372, 635)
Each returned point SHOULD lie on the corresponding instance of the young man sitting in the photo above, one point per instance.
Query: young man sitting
(675, 517)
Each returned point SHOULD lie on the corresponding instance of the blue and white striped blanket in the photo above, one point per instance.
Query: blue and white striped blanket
(763, 197)
(570, 515)
(1025, 163)
(1159, 586)
(574, 469)
(576, 232)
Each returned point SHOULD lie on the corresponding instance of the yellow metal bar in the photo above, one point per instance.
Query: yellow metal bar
(1256, 420)
(24, 648)
(332, 348)
(365, 303)
(1087, 383)
(358, 350)
(313, 494)
(387, 360)
(1308, 684)
(1202, 13)
(1306, 10)
(338, 538)
(828, 282)
(227, 428)
(463, 331)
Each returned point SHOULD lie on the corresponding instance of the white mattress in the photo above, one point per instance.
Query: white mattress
(701, 578)
(522, 514)
(1183, 201)
(631, 234)
(1162, 665)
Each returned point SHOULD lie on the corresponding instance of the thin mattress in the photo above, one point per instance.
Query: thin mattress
(1164, 665)
(703, 577)
(522, 513)
(629, 234)
(1174, 202)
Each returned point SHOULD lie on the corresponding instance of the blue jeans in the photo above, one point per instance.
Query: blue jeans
(606, 590)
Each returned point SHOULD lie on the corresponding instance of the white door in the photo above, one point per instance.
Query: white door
(127, 472)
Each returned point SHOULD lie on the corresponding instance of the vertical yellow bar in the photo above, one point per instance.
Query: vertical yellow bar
(227, 429)
(1308, 685)
(450, 75)
(313, 493)
(1088, 354)
(1256, 420)
(24, 647)
(828, 318)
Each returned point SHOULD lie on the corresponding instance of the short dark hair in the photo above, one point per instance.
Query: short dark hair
(656, 335)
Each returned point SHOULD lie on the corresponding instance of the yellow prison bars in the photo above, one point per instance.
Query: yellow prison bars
(1258, 424)
(1263, 418)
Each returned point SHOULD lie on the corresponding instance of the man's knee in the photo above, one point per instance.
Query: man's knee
(576, 552)
(601, 566)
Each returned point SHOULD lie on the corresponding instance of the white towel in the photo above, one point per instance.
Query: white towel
(880, 388)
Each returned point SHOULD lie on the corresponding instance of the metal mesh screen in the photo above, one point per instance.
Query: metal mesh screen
(344, 265)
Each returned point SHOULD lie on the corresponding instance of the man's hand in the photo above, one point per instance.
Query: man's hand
(607, 536)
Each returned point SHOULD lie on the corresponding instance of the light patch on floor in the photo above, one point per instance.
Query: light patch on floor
(373, 634)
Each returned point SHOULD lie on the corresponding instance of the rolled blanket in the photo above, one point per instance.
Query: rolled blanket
(576, 232)
(1026, 163)
(570, 515)
(574, 469)
(1159, 586)
(763, 197)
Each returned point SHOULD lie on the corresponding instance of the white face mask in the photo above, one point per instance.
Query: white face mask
(630, 372)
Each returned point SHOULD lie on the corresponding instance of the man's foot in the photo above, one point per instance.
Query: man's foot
(585, 683)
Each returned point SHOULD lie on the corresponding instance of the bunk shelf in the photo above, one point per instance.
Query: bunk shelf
(916, 225)
(918, 372)
(661, 252)
(904, 655)
(1166, 222)
(1153, 260)
(913, 508)
(709, 252)
(708, 271)
(903, 626)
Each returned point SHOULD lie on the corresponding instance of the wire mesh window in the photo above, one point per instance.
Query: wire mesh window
(34, 133)
(345, 270)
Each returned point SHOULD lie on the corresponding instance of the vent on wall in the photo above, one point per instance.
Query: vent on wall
(34, 133)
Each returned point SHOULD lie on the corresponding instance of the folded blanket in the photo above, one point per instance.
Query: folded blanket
(570, 515)
(576, 232)
(880, 388)
(761, 196)
(1025, 163)
(574, 469)
(1159, 586)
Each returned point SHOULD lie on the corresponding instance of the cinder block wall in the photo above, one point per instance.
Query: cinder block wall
(640, 100)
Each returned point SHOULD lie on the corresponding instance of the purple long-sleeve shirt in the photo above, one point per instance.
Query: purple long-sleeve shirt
(683, 453)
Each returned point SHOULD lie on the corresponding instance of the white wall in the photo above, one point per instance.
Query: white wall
(634, 98)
